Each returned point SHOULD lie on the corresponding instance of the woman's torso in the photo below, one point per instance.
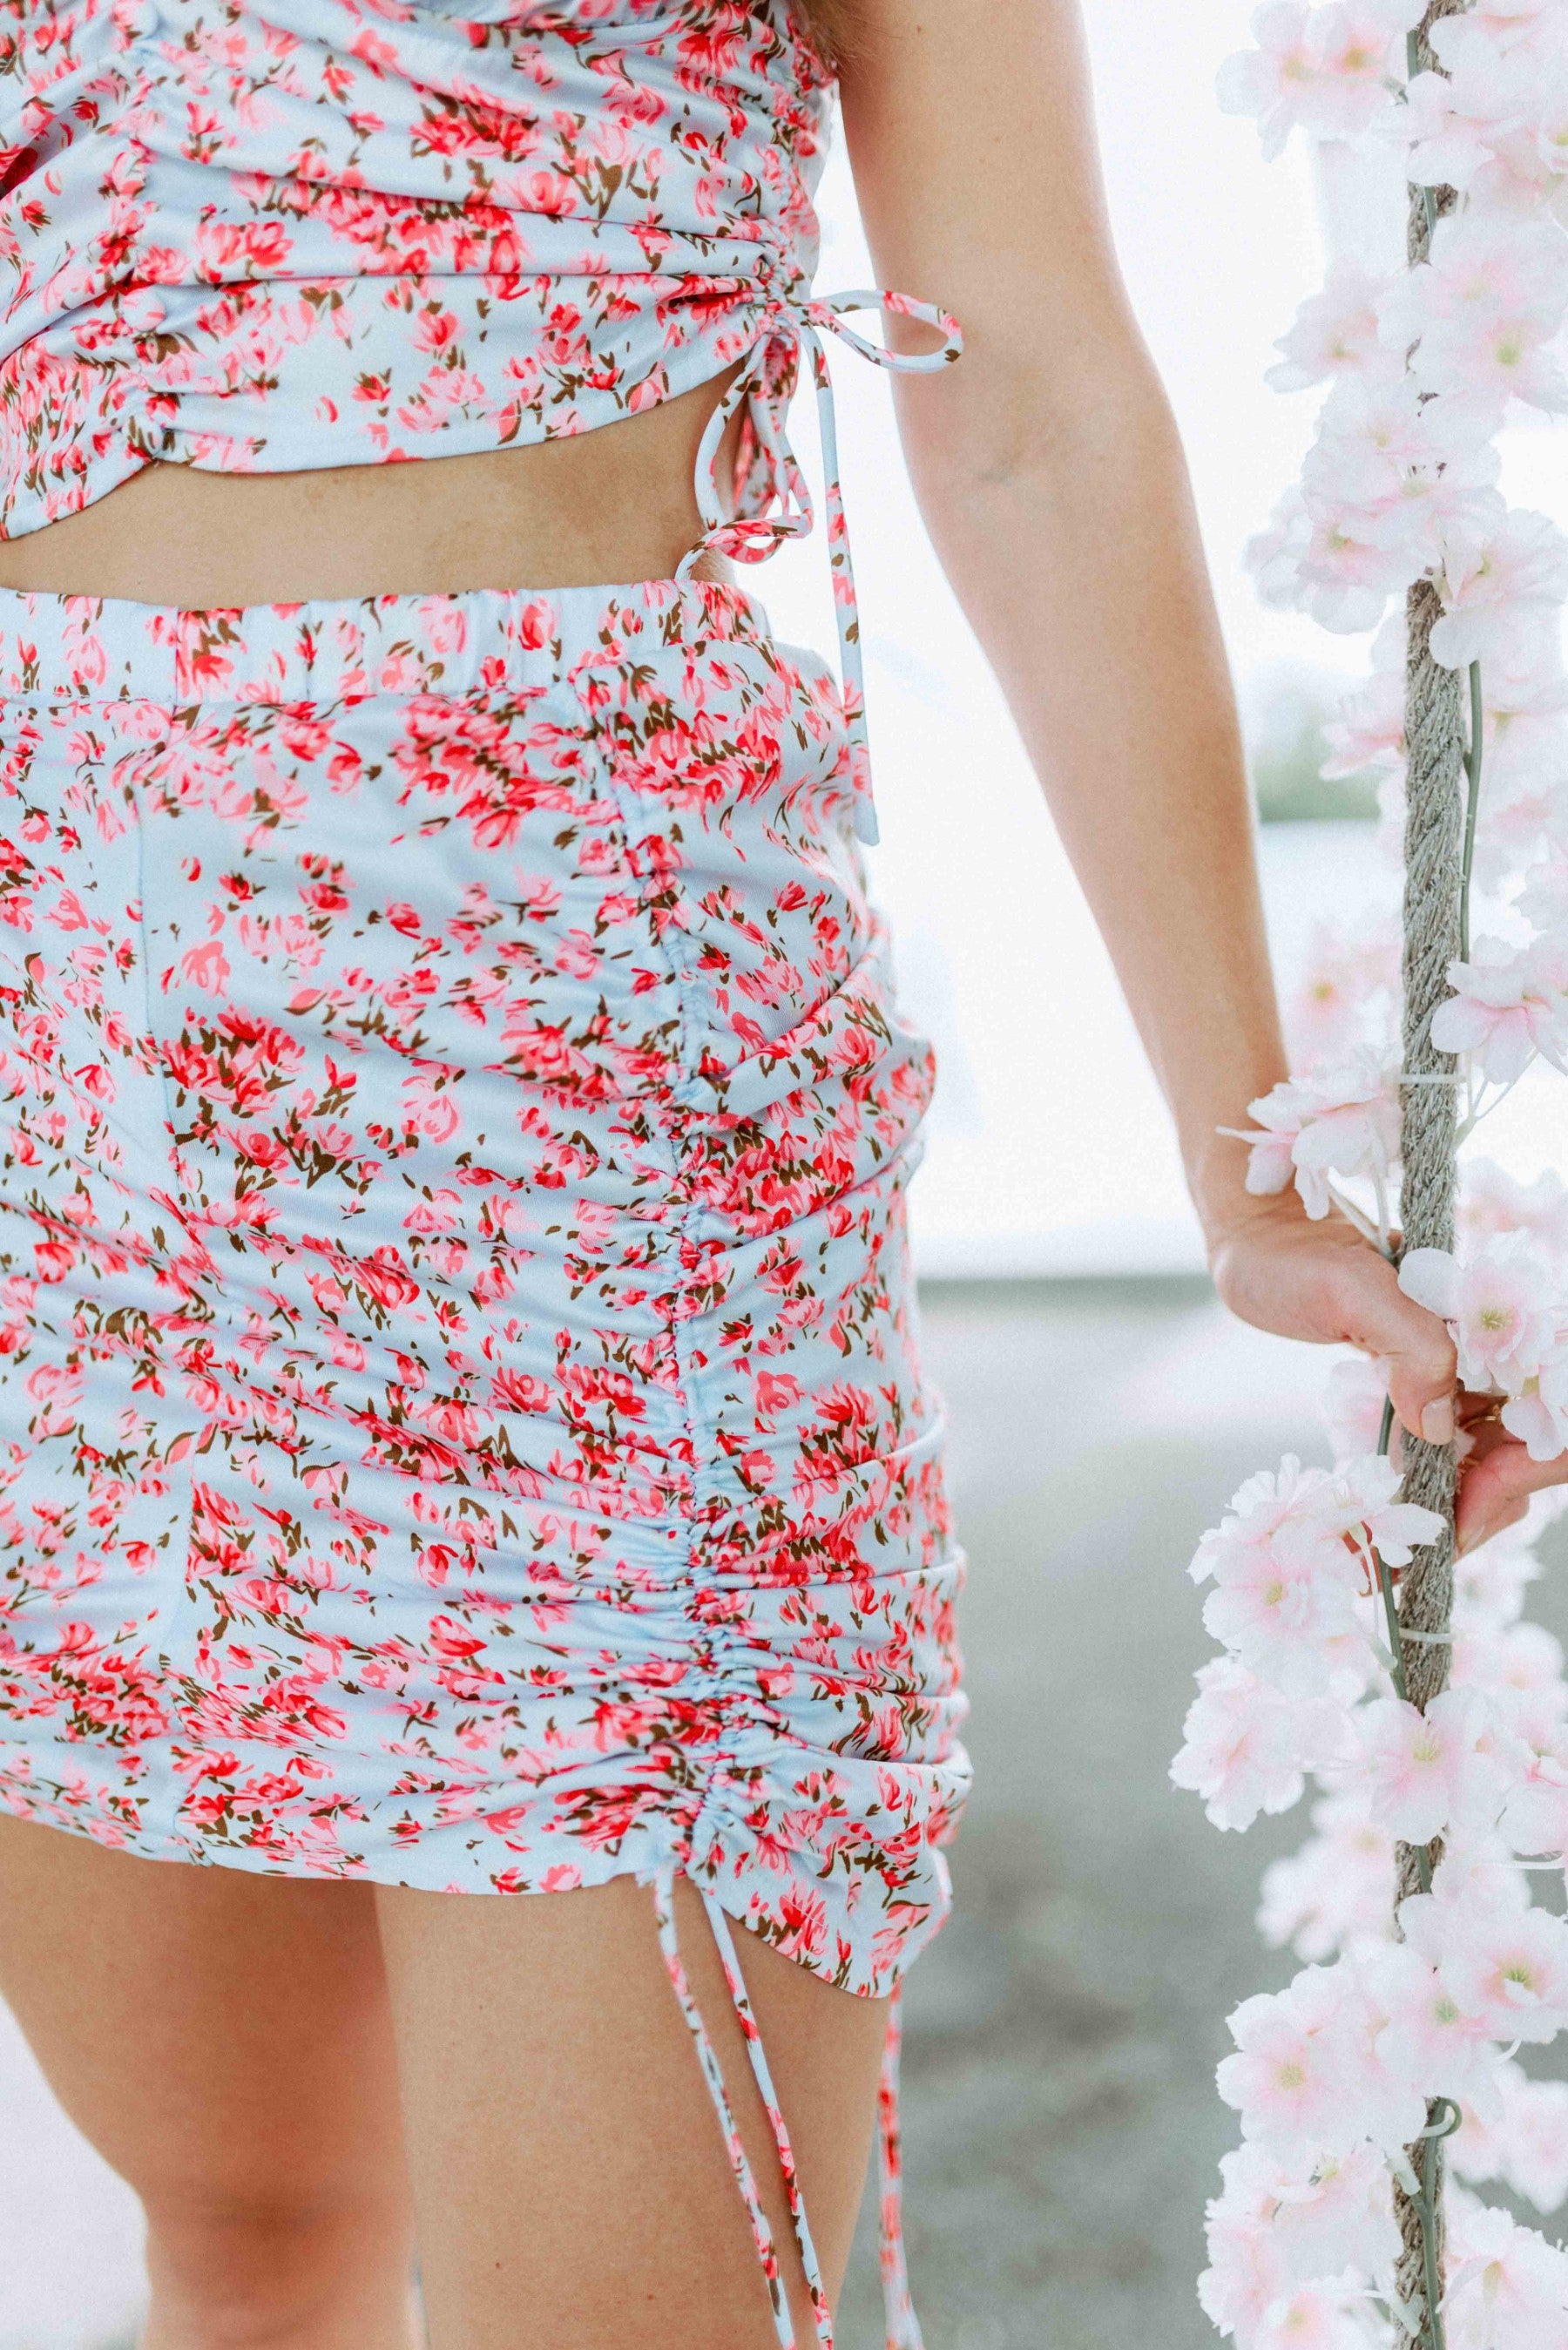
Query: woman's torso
(288, 247)
(605, 507)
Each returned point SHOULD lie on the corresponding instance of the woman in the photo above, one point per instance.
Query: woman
(464, 1433)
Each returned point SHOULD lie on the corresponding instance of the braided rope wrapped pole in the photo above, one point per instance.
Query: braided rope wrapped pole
(1436, 743)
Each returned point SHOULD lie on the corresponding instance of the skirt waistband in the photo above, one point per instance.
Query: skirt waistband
(100, 648)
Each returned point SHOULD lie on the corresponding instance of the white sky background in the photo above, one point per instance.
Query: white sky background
(1049, 1150)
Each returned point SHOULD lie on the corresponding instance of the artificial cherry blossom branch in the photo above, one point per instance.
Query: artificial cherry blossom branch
(1396, 2042)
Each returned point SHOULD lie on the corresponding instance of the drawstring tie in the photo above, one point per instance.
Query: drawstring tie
(780, 507)
(902, 2330)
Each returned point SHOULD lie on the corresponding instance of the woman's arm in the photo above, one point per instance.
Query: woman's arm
(1051, 477)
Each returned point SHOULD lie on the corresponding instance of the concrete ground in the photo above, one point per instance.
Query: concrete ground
(1061, 2034)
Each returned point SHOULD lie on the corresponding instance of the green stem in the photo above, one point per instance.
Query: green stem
(1472, 805)
(1427, 2209)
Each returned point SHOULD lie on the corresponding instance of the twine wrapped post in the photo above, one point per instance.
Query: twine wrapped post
(1436, 745)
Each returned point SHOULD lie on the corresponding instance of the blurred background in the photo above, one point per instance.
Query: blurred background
(1063, 2128)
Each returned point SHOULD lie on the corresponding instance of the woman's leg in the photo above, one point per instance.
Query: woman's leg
(572, 2188)
(223, 2040)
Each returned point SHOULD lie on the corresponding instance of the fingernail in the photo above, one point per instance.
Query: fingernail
(1437, 1421)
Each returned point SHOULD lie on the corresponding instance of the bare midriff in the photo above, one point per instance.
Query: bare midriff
(611, 505)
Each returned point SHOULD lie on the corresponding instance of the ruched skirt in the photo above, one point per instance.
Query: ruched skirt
(461, 1416)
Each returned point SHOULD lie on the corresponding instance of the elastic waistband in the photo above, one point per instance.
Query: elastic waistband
(98, 648)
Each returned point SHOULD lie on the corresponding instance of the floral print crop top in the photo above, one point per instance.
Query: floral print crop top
(266, 234)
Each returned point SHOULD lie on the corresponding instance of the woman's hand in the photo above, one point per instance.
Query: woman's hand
(1322, 1282)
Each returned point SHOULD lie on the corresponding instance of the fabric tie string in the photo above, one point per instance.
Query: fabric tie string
(780, 506)
(903, 2332)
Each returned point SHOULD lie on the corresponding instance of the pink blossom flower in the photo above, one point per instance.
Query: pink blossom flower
(1505, 1964)
(1507, 1007)
(1500, 1304)
(1358, 1503)
(1343, 1121)
(1286, 2078)
(1247, 1746)
(1275, 1615)
(1430, 2039)
(1492, 1202)
(1260, 1509)
(1539, 1415)
(1286, 1583)
(1307, 2078)
(1423, 1770)
(1348, 988)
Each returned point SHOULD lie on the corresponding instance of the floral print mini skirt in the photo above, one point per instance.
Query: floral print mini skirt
(461, 1418)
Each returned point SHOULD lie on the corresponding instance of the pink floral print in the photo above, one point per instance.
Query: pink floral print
(334, 232)
(462, 1422)
(342, 231)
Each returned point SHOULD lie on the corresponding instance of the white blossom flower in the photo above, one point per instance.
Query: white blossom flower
(1331, 2077)
(1535, 1817)
(1348, 567)
(1518, 1667)
(1325, 69)
(1501, 588)
(1545, 898)
(1530, 2140)
(1393, 472)
(1336, 333)
(1490, 1581)
(1456, 123)
(1332, 1895)
(1354, 1394)
(1368, 734)
(1524, 713)
(1339, 2218)
(1273, 556)
(1508, 2287)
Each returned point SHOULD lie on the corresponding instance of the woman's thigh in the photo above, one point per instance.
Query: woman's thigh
(222, 2038)
(571, 2180)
